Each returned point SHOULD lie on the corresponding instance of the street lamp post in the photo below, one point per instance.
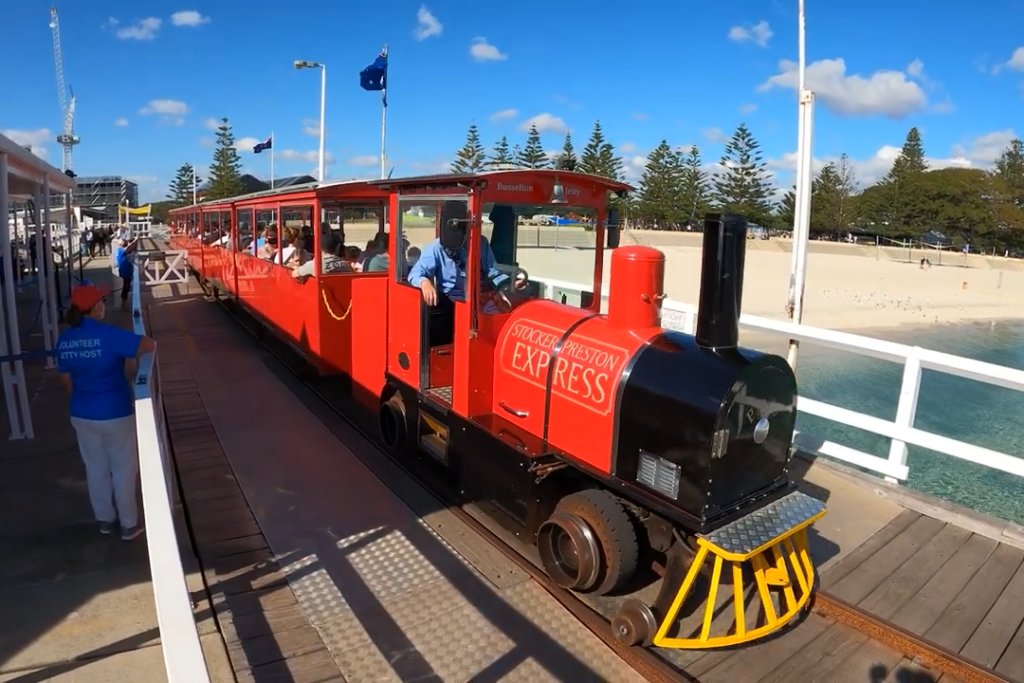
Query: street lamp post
(323, 106)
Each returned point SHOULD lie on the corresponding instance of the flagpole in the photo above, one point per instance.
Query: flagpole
(384, 121)
(194, 187)
(271, 160)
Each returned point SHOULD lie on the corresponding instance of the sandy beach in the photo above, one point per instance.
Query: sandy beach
(849, 287)
(843, 292)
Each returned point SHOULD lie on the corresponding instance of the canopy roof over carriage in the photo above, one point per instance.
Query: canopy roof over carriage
(374, 187)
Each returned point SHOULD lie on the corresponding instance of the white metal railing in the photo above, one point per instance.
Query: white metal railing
(179, 637)
(682, 317)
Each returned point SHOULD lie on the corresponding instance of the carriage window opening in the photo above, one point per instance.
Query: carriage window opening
(528, 237)
(194, 225)
(207, 226)
(357, 232)
(243, 217)
(227, 238)
(417, 229)
(295, 239)
(266, 223)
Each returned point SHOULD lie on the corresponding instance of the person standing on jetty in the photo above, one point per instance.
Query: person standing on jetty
(125, 269)
(91, 359)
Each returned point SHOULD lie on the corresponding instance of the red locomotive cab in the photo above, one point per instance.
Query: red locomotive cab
(559, 368)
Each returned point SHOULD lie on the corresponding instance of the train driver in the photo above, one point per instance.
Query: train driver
(444, 259)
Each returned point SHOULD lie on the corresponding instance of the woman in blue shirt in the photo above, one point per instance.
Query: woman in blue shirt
(91, 360)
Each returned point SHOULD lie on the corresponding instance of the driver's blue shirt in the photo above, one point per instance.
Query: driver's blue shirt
(448, 276)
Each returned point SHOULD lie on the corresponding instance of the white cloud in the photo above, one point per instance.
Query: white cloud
(30, 138)
(759, 34)
(504, 114)
(311, 127)
(428, 25)
(246, 144)
(313, 156)
(211, 123)
(546, 123)
(121, 122)
(482, 51)
(364, 160)
(640, 116)
(716, 135)
(1015, 63)
(171, 112)
(144, 29)
(916, 68)
(627, 148)
(885, 92)
(189, 17)
(978, 152)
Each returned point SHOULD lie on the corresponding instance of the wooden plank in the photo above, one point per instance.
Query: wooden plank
(267, 622)
(865, 550)
(872, 661)
(206, 532)
(202, 508)
(750, 663)
(857, 585)
(994, 634)
(224, 491)
(912, 576)
(909, 672)
(212, 550)
(922, 611)
(962, 618)
(314, 667)
(203, 516)
(1011, 664)
(272, 599)
(817, 660)
(276, 646)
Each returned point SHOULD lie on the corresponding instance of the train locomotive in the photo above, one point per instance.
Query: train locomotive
(589, 431)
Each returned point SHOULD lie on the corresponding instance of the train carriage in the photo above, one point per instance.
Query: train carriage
(586, 430)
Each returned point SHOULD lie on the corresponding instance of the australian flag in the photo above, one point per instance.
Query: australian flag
(266, 144)
(375, 76)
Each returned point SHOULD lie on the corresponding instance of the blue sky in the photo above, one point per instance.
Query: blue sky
(150, 75)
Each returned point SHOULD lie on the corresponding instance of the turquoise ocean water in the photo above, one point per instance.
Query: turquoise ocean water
(970, 411)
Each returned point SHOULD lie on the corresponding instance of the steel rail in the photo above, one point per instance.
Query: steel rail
(930, 655)
(647, 663)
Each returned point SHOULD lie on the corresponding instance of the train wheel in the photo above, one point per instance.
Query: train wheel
(393, 423)
(635, 624)
(589, 544)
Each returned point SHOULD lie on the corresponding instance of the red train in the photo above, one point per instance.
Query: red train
(599, 436)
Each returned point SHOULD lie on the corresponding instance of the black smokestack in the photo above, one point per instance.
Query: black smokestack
(721, 281)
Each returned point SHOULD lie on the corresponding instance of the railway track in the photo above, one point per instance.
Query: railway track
(646, 662)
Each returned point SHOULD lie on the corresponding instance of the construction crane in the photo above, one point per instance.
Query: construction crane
(67, 139)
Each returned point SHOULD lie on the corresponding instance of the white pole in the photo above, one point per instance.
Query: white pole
(271, 160)
(51, 280)
(323, 122)
(802, 213)
(384, 123)
(195, 189)
(13, 372)
(383, 138)
(41, 273)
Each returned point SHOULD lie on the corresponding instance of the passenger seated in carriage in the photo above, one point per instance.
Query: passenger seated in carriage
(330, 261)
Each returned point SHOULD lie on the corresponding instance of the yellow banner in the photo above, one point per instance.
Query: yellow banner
(137, 212)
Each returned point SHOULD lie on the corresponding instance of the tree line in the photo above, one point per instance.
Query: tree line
(984, 209)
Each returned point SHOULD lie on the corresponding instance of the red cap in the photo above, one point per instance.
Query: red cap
(85, 297)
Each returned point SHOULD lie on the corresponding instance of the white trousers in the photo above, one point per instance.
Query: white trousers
(110, 451)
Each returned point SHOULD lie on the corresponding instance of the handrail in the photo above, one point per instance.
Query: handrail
(681, 316)
(179, 637)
